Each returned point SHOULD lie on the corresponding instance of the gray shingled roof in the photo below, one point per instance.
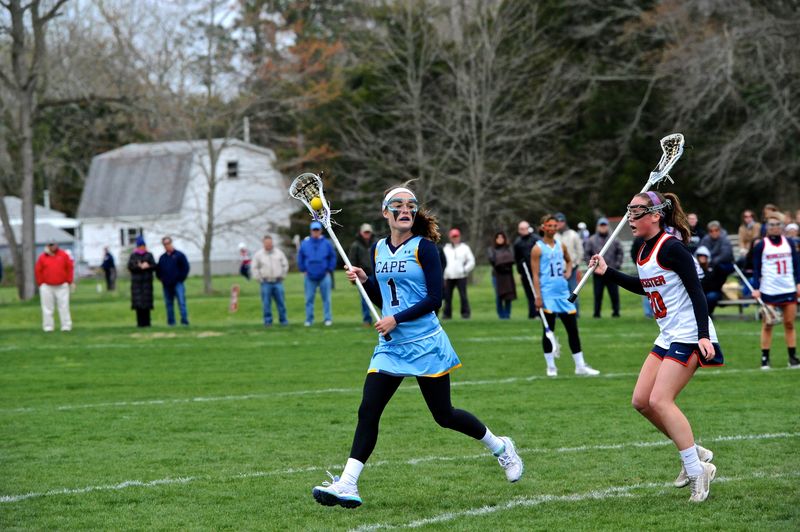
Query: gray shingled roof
(138, 180)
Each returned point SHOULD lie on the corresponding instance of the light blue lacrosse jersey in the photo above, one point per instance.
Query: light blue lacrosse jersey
(419, 347)
(555, 290)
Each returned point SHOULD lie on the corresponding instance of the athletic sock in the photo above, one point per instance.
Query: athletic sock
(550, 358)
(352, 470)
(493, 443)
(764, 356)
(578, 358)
(691, 461)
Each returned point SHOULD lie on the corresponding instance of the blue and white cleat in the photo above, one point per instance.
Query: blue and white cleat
(337, 493)
(510, 461)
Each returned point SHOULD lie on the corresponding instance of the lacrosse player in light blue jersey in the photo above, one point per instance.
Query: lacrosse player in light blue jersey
(407, 284)
(551, 267)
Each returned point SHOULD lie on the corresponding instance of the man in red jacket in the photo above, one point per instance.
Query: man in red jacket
(54, 275)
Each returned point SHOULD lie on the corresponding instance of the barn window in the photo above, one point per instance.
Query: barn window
(233, 169)
(127, 236)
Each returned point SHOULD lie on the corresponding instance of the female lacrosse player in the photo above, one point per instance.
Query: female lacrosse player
(407, 284)
(667, 274)
(551, 266)
(776, 272)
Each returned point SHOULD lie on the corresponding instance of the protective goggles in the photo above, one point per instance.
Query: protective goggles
(639, 211)
(395, 205)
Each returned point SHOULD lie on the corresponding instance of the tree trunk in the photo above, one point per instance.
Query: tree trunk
(13, 246)
(28, 281)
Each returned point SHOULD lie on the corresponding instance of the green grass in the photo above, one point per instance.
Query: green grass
(227, 425)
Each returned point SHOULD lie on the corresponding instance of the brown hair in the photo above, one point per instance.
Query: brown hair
(673, 215)
(425, 223)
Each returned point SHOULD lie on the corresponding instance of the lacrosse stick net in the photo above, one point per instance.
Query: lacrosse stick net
(306, 188)
(547, 331)
(671, 151)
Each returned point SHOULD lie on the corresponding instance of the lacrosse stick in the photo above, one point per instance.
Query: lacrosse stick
(770, 316)
(307, 188)
(547, 332)
(672, 148)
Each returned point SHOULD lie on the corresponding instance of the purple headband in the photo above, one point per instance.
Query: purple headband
(653, 197)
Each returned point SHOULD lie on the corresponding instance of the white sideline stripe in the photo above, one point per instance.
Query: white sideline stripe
(526, 502)
(247, 397)
(378, 463)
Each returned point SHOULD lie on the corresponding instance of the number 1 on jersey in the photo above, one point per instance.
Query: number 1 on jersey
(393, 287)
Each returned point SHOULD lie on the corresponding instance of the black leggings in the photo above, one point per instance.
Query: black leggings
(379, 389)
(570, 322)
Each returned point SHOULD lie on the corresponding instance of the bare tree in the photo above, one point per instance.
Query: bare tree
(25, 80)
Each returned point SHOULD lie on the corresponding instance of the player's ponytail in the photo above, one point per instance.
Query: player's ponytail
(425, 223)
(674, 216)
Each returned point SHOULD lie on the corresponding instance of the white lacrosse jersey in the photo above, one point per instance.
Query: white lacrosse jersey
(777, 269)
(672, 308)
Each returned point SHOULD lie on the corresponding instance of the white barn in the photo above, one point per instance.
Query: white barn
(159, 189)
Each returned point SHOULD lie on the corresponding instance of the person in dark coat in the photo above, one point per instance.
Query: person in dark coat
(359, 256)
(523, 245)
(109, 269)
(614, 257)
(142, 265)
(501, 257)
(173, 268)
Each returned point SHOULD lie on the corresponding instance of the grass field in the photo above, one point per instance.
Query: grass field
(227, 425)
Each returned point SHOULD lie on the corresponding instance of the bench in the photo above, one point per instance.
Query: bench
(741, 303)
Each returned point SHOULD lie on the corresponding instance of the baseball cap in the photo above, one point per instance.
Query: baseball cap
(581, 225)
(602, 221)
(454, 232)
(791, 227)
(702, 250)
(315, 225)
(365, 228)
(560, 217)
(140, 241)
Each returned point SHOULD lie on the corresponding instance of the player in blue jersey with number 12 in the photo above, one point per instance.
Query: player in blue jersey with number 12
(407, 285)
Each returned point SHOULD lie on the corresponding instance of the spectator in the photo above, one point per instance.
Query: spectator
(636, 246)
(584, 233)
(460, 262)
(142, 265)
(244, 261)
(790, 232)
(359, 255)
(54, 275)
(173, 268)
(749, 231)
(711, 283)
(109, 269)
(696, 233)
(269, 267)
(614, 257)
(523, 244)
(317, 259)
(720, 247)
(571, 239)
(501, 257)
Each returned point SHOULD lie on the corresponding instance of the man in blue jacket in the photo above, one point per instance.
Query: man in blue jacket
(172, 270)
(317, 260)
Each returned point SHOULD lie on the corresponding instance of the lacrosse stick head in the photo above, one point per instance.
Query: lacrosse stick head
(307, 188)
(772, 315)
(672, 149)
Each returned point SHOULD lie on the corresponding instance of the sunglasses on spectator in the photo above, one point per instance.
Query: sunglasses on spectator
(774, 224)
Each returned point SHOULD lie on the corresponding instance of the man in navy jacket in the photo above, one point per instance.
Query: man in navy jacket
(317, 260)
(173, 268)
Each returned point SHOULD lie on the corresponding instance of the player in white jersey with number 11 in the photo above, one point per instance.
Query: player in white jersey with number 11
(668, 276)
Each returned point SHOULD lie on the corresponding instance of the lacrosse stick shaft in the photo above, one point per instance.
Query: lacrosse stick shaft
(742, 276)
(574, 295)
(360, 287)
(533, 291)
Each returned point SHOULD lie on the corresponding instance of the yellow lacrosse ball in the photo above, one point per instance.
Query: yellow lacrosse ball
(316, 203)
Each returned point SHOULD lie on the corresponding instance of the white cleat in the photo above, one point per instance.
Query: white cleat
(701, 484)
(552, 372)
(704, 455)
(336, 493)
(510, 460)
(586, 370)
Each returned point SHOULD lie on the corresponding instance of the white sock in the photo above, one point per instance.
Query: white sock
(691, 461)
(493, 443)
(550, 358)
(352, 470)
(578, 358)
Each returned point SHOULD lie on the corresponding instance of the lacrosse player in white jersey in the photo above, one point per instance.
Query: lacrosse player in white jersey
(776, 280)
(407, 285)
(667, 275)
